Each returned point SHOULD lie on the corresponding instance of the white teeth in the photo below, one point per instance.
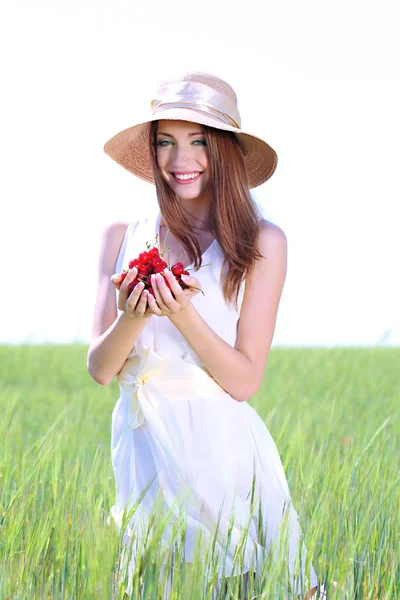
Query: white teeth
(187, 176)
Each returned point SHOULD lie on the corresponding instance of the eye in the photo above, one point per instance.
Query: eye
(200, 142)
(163, 142)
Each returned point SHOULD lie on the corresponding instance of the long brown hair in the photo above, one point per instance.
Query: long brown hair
(233, 216)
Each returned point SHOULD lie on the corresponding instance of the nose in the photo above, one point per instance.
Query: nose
(180, 157)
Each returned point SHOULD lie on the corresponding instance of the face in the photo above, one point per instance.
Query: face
(182, 158)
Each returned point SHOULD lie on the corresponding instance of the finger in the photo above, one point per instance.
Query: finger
(157, 292)
(117, 278)
(124, 288)
(142, 303)
(130, 277)
(133, 299)
(190, 280)
(175, 287)
(166, 299)
(194, 286)
(155, 309)
(125, 293)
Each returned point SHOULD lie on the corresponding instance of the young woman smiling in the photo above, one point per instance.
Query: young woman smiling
(188, 363)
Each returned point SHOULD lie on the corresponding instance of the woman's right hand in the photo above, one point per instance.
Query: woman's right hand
(134, 303)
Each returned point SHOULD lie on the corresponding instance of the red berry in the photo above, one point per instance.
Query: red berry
(144, 257)
(150, 262)
(133, 283)
(123, 275)
(135, 263)
(178, 264)
(164, 264)
(156, 261)
(149, 268)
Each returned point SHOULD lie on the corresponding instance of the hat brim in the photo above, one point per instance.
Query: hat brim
(131, 147)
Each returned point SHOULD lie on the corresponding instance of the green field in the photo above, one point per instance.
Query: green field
(334, 415)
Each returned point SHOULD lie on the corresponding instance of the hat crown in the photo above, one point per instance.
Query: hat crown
(201, 93)
(212, 81)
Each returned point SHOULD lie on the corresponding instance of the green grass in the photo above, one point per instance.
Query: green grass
(333, 413)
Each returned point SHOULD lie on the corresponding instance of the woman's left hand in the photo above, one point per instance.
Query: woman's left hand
(166, 304)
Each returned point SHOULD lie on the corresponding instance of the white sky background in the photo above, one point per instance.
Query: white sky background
(319, 81)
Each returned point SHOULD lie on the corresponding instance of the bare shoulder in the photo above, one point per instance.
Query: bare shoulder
(117, 226)
(105, 309)
(110, 244)
(271, 236)
(261, 299)
(270, 270)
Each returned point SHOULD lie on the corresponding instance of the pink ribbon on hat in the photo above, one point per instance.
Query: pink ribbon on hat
(200, 97)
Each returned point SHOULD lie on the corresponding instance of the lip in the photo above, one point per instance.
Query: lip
(186, 181)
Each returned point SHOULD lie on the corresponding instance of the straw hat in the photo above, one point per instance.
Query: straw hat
(199, 98)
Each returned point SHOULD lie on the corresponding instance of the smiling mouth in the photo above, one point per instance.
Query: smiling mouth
(185, 178)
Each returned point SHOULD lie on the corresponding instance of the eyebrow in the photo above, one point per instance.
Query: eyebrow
(170, 135)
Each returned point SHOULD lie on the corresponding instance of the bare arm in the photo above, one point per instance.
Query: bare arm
(229, 367)
(240, 370)
(113, 335)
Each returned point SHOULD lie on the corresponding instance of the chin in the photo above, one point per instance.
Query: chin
(187, 194)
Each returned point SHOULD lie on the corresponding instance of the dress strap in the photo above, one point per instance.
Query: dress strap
(132, 225)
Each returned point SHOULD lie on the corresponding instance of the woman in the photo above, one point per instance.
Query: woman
(187, 360)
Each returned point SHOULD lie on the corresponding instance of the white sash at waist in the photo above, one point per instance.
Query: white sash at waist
(147, 380)
(151, 384)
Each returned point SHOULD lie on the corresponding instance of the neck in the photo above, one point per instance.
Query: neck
(197, 213)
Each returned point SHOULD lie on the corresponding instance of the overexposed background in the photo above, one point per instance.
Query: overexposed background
(319, 81)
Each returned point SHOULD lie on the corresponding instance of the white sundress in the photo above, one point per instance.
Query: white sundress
(174, 424)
